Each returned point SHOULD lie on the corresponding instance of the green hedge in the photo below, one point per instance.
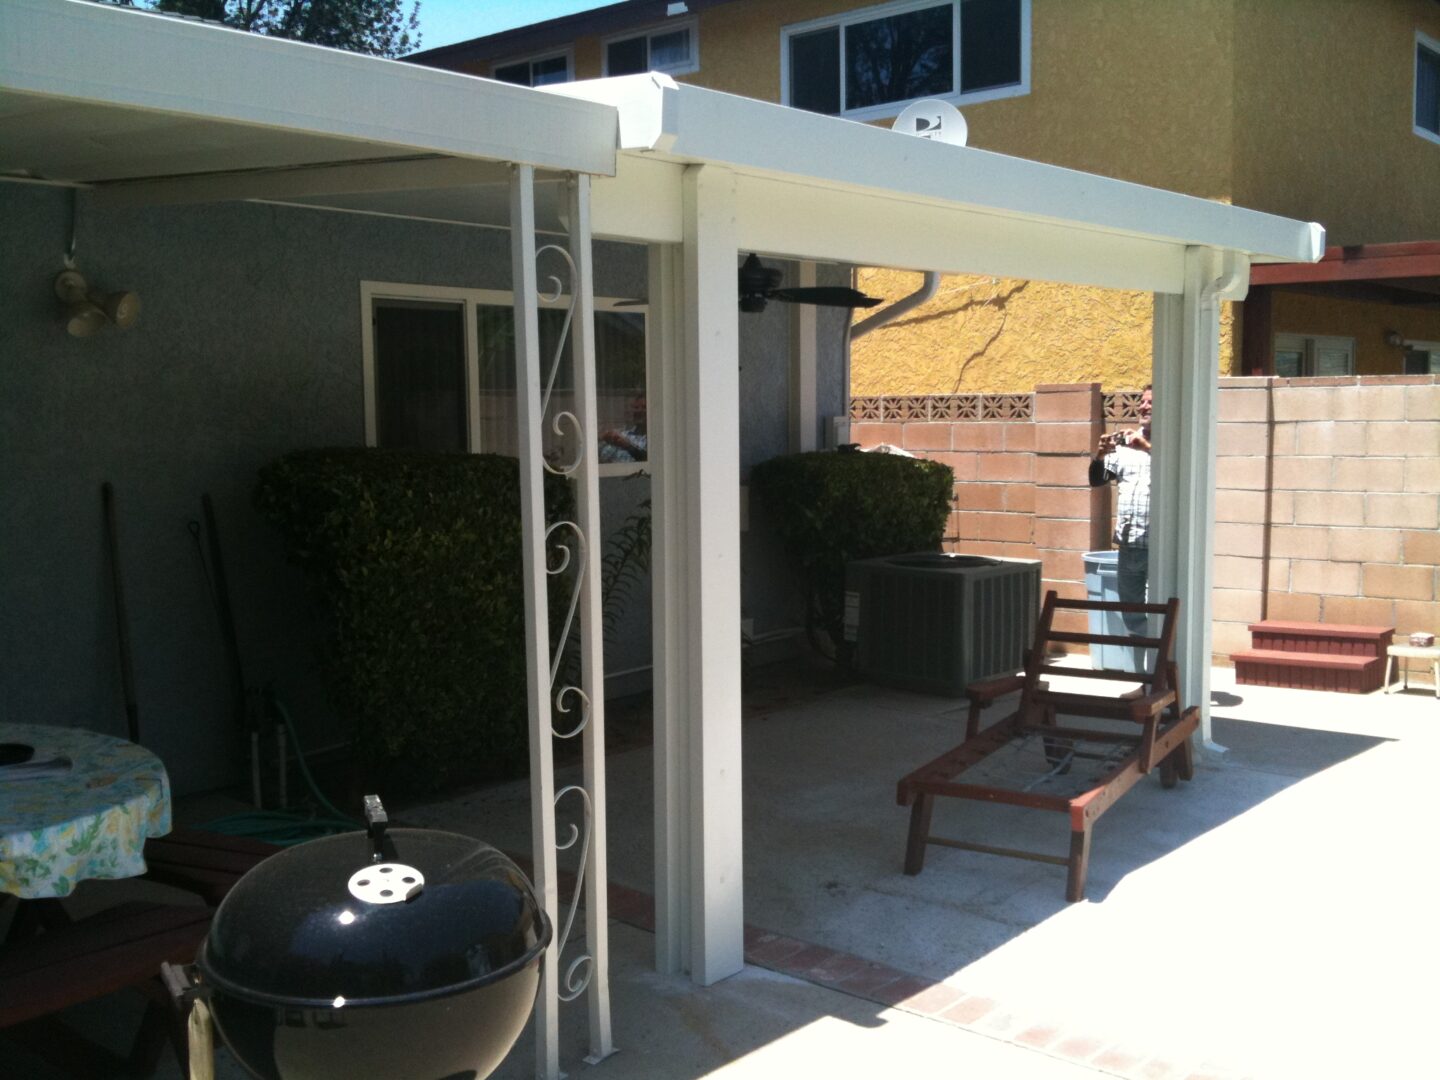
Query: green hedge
(413, 562)
(830, 508)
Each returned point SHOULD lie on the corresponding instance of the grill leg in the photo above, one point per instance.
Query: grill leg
(920, 815)
(1079, 864)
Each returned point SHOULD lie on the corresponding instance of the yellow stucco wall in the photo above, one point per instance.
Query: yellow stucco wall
(1002, 335)
(1326, 130)
(1367, 323)
(1265, 103)
(1112, 83)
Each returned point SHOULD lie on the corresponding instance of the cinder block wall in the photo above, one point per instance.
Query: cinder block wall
(1327, 505)
(1020, 463)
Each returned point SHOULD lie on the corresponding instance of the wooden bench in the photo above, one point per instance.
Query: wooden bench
(205, 863)
(1083, 771)
(119, 947)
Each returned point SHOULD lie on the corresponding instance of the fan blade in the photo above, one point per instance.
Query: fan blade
(826, 295)
(630, 303)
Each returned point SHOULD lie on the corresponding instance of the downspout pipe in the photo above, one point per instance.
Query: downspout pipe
(928, 288)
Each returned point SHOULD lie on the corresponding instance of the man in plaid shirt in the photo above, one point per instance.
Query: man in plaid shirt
(1124, 456)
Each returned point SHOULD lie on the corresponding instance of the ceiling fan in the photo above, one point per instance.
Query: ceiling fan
(759, 284)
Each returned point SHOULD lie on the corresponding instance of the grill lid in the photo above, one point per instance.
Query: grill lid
(374, 919)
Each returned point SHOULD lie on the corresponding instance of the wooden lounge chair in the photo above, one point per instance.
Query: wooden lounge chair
(1030, 759)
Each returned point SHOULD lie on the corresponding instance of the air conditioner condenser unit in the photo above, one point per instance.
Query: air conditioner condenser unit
(935, 622)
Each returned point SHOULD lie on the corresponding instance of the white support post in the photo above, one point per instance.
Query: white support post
(711, 523)
(1186, 393)
(537, 645)
(803, 430)
(668, 582)
(592, 660)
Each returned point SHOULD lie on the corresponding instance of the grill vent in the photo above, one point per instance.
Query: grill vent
(933, 623)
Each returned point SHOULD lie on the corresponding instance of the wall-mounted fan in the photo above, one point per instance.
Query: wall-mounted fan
(759, 284)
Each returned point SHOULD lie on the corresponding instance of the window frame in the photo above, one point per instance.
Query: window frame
(690, 23)
(567, 54)
(890, 110)
(470, 299)
(1306, 345)
(1423, 41)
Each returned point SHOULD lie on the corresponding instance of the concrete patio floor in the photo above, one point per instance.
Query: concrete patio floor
(1269, 919)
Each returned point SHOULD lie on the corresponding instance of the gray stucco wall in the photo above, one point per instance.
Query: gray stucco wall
(248, 346)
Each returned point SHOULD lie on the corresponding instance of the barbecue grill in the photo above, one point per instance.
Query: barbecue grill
(406, 953)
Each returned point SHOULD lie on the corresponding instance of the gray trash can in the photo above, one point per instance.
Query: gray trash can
(1100, 584)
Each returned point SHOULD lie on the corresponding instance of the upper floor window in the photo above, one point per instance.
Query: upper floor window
(871, 63)
(538, 71)
(1427, 87)
(673, 48)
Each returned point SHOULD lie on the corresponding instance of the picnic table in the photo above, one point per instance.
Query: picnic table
(88, 821)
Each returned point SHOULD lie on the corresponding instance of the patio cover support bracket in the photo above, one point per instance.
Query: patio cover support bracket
(1186, 373)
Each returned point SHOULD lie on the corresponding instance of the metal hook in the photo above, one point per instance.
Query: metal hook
(74, 217)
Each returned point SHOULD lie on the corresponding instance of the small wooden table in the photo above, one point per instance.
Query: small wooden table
(1398, 653)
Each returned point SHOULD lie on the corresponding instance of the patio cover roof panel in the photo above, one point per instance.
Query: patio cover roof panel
(689, 124)
(91, 92)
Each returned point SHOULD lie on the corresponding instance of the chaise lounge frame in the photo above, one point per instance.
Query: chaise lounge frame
(1163, 738)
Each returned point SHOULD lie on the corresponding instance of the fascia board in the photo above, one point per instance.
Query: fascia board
(694, 125)
(81, 51)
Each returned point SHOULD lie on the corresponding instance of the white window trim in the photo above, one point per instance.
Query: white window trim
(892, 109)
(1308, 344)
(370, 291)
(648, 32)
(568, 53)
(1434, 46)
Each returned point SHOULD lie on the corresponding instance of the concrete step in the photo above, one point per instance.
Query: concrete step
(1309, 670)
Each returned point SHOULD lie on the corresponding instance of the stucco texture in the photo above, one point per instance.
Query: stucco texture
(1326, 117)
(1001, 335)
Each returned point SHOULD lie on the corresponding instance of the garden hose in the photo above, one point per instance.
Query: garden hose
(282, 827)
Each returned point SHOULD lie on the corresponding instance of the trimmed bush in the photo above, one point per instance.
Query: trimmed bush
(829, 509)
(413, 561)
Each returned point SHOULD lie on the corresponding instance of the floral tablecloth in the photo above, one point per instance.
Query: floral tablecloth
(89, 822)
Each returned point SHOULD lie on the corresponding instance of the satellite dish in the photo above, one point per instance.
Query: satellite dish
(931, 118)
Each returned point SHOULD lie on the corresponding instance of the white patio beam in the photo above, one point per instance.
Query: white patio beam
(537, 620)
(710, 458)
(592, 626)
(302, 181)
(1186, 372)
(688, 124)
(669, 577)
(97, 54)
